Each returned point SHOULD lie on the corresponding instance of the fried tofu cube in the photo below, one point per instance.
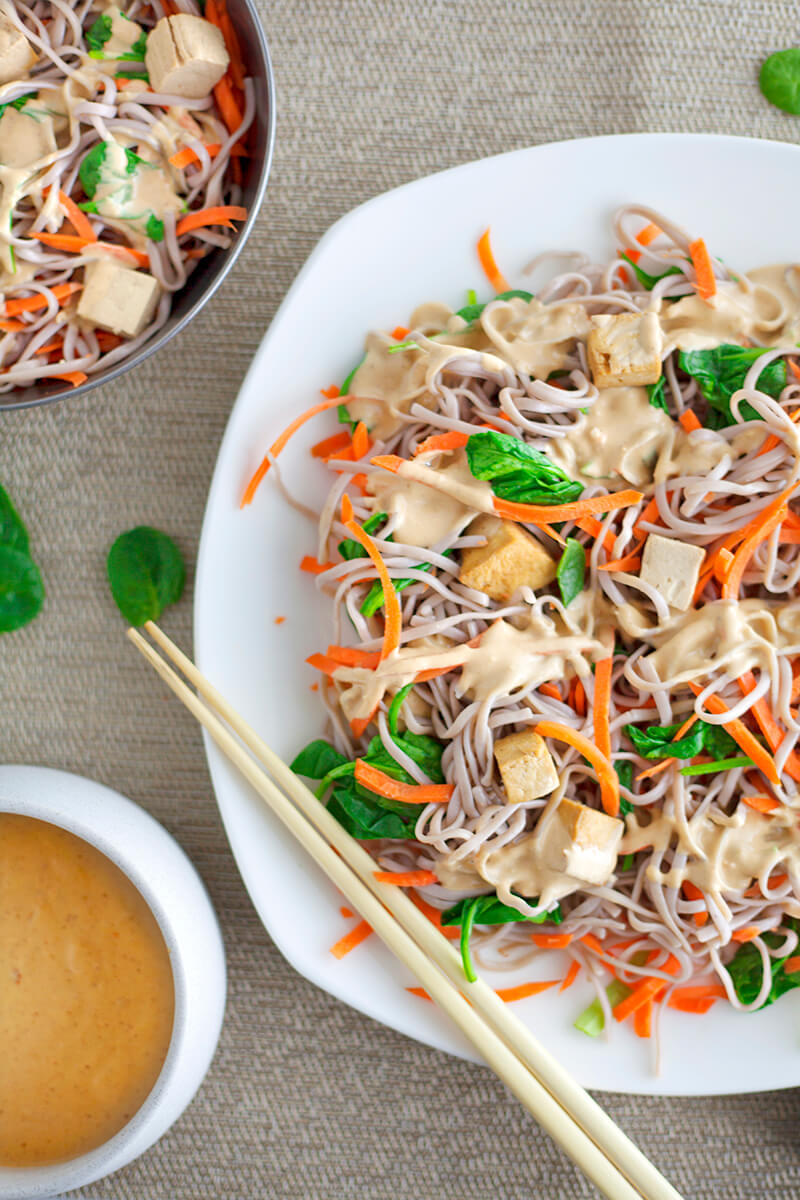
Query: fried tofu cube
(185, 56)
(580, 841)
(17, 56)
(525, 765)
(673, 568)
(510, 559)
(625, 349)
(118, 299)
(24, 139)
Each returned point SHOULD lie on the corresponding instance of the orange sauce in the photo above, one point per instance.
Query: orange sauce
(86, 995)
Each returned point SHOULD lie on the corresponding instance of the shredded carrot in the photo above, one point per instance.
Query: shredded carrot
(330, 393)
(692, 892)
(228, 104)
(347, 913)
(215, 215)
(523, 990)
(593, 944)
(360, 441)
(606, 775)
(649, 234)
(453, 440)
(551, 690)
(359, 724)
(746, 934)
(633, 254)
(279, 620)
(644, 991)
(630, 562)
(487, 261)
(62, 292)
(538, 514)
(689, 421)
(12, 326)
(406, 878)
(768, 725)
(419, 991)
(394, 789)
(354, 938)
(571, 975)
(75, 245)
(187, 156)
(759, 529)
(643, 1020)
(451, 932)
(329, 445)
(762, 804)
(602, 704)
(593, 527)
(578, 697)
(78, 219)
(321, 662)
(236, 67)
(792, 965)
(656, 770)
(551, 941)
(279, 443)
(393, 623)
(312, 566)
(648, 513)
(686, 726)
(58, 344)
(351, 656)
(76, 378)
(699, 991)
(773, 440)
(742, 736)
(400, 333)
(706, 284)
(723, 561)
(314, 687)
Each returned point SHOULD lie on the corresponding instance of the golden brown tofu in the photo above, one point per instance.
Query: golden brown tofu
(510, 559)
(581, 842)
(525, 765)
(624, 350)
(185, 56)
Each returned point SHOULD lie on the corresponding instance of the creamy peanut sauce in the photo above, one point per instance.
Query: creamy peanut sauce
(425, 519)
(534, 337)
(86, 995)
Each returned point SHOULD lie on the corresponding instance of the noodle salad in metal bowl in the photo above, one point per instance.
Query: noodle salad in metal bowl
(122, 133)
(562, 549)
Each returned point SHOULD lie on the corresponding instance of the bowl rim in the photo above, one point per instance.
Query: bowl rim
(231, 255)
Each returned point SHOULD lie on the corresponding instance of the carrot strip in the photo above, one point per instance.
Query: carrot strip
(352, 939)
(649, 234)
(630, 562)
(400, 333)
(419, 991)
(643, 1020)
(62, 292)
(321, 662)
(571, 975)
(551, 690)
(75, 245)
(329, 445)
(645, 991)
(228, 104)
(523, 990)
(633, 254)
(606, 775)
(686, 726)
(393, 622)
(689, 421)
(792, 965)
(698, 991)
(578, 697)
(312, 566)
(451, 932)
(330, 393)
(453, 440)
(692, 892)
(742, 736)
(551, 941)
(347, 913)
(701, 1005)
(12, 326)
(360, 441)
(706, 285)
(394, 789)
(602, 704)
(406, 878)
(746, 934)
(538, 514)
(187, 156)
(656, 770)
(76, 378)
(359, 724)
(215, 215)
(78, 219)
(768, 725)
(490, 267)
(593, 527)
(762, 804)
(58, 344)
(351, 656)
(648, 513)
(760, 528)
(278, 445)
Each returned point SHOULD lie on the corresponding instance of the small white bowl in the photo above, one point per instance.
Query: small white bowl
(160, 870)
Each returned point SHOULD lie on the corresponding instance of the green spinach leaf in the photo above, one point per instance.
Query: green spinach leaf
(146, 573)
(18, 104)
(12, 529)
(98, 34)
(155, 228)
(351, 549)
(656, 741)
(21, 589)
(317, 759)
(360, 814)
(648, 281)
(472, 311)
(655, 394)
(747, 972)
(394, 708)
(571, 570)
(779, 79)
(721, 372)
(491, 911)
(518, 472)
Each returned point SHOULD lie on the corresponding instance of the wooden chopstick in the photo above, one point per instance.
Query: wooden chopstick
(563, 1108)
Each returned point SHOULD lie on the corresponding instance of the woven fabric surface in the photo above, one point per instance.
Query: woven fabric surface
(306, 1098)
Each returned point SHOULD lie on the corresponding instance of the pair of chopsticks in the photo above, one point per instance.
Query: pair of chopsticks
(572, 1118)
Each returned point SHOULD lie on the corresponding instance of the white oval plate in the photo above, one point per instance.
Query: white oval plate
(370, 270)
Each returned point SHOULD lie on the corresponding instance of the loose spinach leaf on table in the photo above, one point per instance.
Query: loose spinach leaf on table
(571, 570)
(12, 528)
(779, 79)
(518, 472)
(721, 372)
(146, 573)
(21, 587)
(747, 972)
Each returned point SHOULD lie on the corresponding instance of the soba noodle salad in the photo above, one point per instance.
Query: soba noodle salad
(122, 129)
(562, 549)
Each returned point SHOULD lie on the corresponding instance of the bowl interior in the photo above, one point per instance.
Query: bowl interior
(209, 274)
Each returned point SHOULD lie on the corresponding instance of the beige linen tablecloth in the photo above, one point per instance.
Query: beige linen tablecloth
(306, 1098)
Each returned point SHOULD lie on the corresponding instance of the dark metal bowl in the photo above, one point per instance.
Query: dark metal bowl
(210, 273)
